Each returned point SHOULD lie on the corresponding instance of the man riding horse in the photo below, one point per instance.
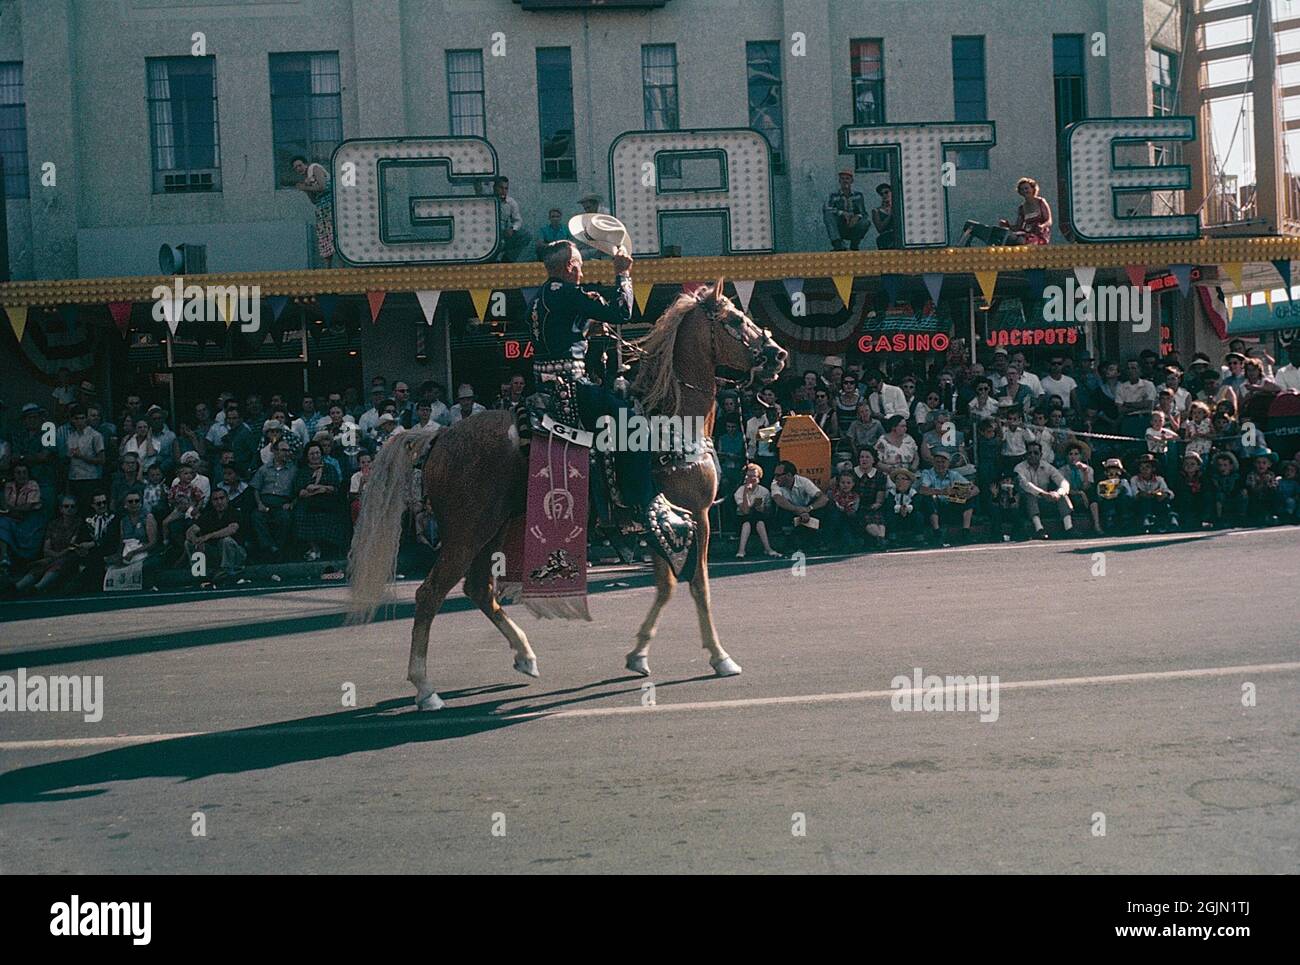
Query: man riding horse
(564, 315)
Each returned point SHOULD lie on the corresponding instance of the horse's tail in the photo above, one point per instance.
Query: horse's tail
(390, 488)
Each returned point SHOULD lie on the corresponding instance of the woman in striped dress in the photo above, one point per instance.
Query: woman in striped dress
(315, 184)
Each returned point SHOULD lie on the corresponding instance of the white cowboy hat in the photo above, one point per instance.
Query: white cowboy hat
(603, 232)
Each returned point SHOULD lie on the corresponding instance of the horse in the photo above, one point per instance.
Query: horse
(475, 476)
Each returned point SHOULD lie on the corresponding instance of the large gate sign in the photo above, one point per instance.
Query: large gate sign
(650, 179)
(383, 217)
(1095, 183)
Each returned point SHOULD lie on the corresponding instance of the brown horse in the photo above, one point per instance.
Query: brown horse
(475, 476)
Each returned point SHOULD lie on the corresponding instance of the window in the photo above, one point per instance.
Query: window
(969, 96)
(867, 68)
(306, 110)
(1163, 67)
(13, 130)
(763, 76)
(186, 146)
(659, 86)
(465, 93)
(1068, 77)
(555, 113)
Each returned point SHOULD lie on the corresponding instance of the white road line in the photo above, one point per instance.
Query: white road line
(452, 719)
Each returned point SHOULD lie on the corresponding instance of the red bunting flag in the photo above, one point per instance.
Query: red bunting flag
(121, 312)
(376, 300)
(1137, 275)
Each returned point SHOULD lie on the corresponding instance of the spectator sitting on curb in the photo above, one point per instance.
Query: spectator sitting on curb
(1040, 480)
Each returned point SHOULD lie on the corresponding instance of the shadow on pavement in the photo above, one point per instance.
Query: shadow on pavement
(386, 724)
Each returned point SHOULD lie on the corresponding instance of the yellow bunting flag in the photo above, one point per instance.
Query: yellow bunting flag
(17, 318)
(844, 285)
(641, 292)
(1233, 269)
(227, 306)
(1268, 298)
(987, 281)
(480, 298)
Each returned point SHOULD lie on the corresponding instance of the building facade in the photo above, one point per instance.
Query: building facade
(134, 123)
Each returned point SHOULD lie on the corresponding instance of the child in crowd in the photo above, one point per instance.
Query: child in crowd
(1014, 434)
(1261, 488)
(903, 521)
(1078, 471)
(1159, 435)
(1153, 497)
(1198, 430)
(155, 491)
(1288, 491)
(1190, 491)
(1114, 496)
(1225, 503)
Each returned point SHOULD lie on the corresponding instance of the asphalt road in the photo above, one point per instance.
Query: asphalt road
(1121, 695)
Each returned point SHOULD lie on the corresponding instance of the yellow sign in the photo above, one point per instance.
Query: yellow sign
(804, 444)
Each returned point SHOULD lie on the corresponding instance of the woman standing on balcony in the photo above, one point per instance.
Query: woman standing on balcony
(315, 184)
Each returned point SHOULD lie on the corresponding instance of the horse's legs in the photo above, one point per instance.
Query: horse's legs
(446, 573)
(722, 664)
(637, 660)
(479, 584)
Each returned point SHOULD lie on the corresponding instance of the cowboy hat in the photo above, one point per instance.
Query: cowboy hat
(1113, 463)
(603, 232)
(902, 471)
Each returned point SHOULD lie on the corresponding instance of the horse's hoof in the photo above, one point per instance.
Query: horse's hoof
(431, 702)
(527, 666)
(726, 667)
(638, 664)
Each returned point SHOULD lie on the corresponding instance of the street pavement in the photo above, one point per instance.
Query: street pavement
(1150, 692)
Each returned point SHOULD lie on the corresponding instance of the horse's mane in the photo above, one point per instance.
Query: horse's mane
(656, 380)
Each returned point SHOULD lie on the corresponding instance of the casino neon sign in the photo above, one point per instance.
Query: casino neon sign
(389, 208)
(904, 342)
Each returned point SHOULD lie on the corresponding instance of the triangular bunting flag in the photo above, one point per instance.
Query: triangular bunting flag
(933, 284)
(744, 291)
(1233, 269)
(1183, 274)
(987, 281)
(277, 303)
(327, 303)
(227, 308)
(891, 283)
(1036, 279)
(171, 310)
(428, 299)
(1085, 274)
(17, 319)
(480, 296)
(792, 286)
(121, 312)
(1137, 275)
(1283, 266)
(640, 292)
(69, 315)
(844, 285)
(376, 300)
(529, 294)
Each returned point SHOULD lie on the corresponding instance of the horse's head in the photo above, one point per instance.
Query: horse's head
(737, 342)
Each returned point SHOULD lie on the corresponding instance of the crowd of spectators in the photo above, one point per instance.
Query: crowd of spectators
(952, 450)
(237, 481)
(995, 450)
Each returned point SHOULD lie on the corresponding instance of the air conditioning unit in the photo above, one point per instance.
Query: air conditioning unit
(183, 259)
(182, 182)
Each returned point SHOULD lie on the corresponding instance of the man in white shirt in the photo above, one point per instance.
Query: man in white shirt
(1136, 398)
(368, 423)
(1173, 382)
(510, 222)
(1288, 376)
(1040, 480)
(465, 404)
(1059, 384)
(885, 399)
(84, 450)
(800, 497)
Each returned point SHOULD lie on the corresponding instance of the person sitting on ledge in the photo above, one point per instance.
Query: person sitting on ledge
(1033, 222)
